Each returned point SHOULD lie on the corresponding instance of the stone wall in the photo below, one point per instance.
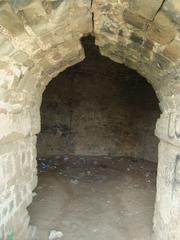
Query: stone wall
(98, 107)
(145, 36)
(39, 39)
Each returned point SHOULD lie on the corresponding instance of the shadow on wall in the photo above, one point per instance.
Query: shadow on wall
(99, 107)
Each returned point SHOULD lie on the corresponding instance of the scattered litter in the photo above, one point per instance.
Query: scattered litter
(148, 181)
(66, 158)
(44, 167)
(128, 169)
(74, 181)
(55, 235)
(88, 173)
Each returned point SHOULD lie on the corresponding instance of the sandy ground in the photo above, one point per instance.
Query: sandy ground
(94, 198)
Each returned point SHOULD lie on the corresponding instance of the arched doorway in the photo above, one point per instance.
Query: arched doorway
(97, 152)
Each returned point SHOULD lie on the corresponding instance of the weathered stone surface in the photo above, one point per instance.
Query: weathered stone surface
(135, 20)
(34, 12)
(162, 30)
(172, 51)
(10, 25)
(146, 9)
(161, 62)
(167, 210)
(136, 38)
(20, 3)
(172, 9)
(18, 178)
(6, 46)
(34, 47)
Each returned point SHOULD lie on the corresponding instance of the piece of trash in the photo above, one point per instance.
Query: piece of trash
(75, 181)
(128, 169)
(66, 158)
(44, 166)
(55, 235)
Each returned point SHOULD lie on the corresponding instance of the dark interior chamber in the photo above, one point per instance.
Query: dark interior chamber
(98, 108)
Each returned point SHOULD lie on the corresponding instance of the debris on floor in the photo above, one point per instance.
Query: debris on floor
(66, 158)
(55, 235)
(94, 198)
(44, 166)
(74, 181)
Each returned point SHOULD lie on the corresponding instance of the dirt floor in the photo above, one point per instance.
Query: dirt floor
(94, 198)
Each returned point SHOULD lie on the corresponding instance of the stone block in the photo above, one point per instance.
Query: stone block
(148, 44)
(5, 46)
(20, 57)
(146, 9)
(56, 3)
(34, 12)
(135, 20)
(20, 4)
(9, 21)
(162, 30)
(14, 126)
(161, 62)
(172, 51)
(138, 39)
(172, 9)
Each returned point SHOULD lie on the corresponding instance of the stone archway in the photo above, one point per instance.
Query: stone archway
(40, 39)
